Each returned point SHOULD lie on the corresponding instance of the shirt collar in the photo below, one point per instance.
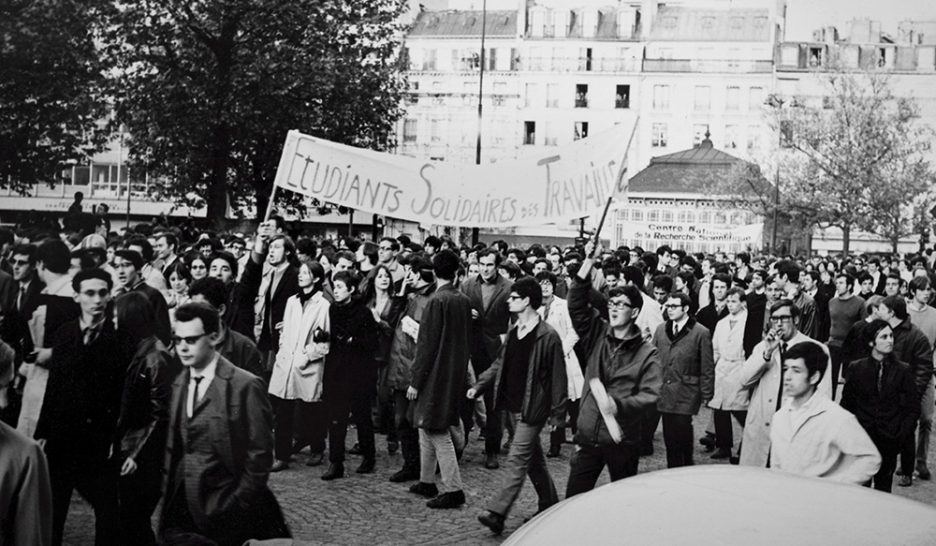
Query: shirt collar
(208, 372)
(523, 328)
(90, 325)
(681, 323)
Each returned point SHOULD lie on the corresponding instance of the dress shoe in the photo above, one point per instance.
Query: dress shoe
(923, 472)
(428, 490)
(367, 466)
(734, 460)
(708, 440)
(493, 521)
(279, 465)
(452, 499)
(315, 459)
(554, 451)
(355, 449)
(721, 453)
(905, 480)
(404, 476)
(393, 447)
(490, 461)
(335, 471)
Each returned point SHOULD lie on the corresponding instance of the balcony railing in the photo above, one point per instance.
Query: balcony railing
(705, 65)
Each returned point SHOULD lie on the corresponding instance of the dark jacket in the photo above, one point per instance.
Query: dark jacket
(144, 404)
(708, 316)
(241, 351)
(688, 367)
(891, 413)
(628, 368)
(403, 348)
(754, 327)
(239, 310)
(160, 311)
(492, 322)
(386, 326)
(546, 391)
(14, 328)
(441, 366)
(234, 487)
(274, 310)
(912, 347)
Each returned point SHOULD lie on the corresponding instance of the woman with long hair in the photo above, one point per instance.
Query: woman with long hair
(387, 307)
(180, 279)
(197, 264)
(298, 374)
(144, 416)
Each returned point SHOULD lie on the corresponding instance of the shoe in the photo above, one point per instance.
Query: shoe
(922, 472)
(335, 471)
(279, 465)
(315, 459)
(493, 521)
(708, 440)
(355, 450)
(366, 466)
(905, 480)
(490, 461)
(734, 460)
(554, 451)
(404, 476)
(428, 490)
(299, 446)
(452, 499)
(721, 453)
(393, 447)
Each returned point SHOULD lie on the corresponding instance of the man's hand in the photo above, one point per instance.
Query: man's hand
(609, 407)
(43, 356)
(472, 394)
(128, 467)
(474, 314)
(411, 393)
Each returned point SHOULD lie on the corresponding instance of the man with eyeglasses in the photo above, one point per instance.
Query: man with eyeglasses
(220, 443)
(79, 415)
(762, 372)
(387, 251)
(628, 369)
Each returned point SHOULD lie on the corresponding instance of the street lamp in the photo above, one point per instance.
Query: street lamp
(475, 232)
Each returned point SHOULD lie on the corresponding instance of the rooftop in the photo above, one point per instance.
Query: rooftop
(689, 171)
(714, 25)
(457, 23)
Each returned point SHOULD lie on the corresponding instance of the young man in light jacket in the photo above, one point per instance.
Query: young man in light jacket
(813, 436)
(729, 400)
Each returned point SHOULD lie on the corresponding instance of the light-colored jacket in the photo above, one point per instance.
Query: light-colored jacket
(824, 441)
(561, 322)
(728, 347)
(299, 366)
(650, 318)
(764, 379)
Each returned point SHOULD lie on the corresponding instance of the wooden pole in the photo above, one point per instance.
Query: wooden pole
(269, 209)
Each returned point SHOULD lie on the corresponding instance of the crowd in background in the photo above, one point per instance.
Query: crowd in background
(122, 355)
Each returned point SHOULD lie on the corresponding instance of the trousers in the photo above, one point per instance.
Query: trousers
(525, 458)
(677, 436)
(438, 447)
(588, 462)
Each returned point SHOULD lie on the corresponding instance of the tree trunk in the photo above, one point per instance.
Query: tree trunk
(217, 182)
(846, 239)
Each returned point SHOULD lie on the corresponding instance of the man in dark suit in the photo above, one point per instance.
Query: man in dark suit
(129, 264)
(490, 319)
(716, 310)
(78, 420)
(271, 286)
(220, 445)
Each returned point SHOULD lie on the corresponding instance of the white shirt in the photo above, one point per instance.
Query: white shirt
(524, 328)
(207, 373)
(680, 324)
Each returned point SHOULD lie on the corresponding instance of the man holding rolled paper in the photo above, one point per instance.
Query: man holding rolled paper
(622, 379)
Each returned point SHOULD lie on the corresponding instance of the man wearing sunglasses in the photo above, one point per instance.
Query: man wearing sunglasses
(763, 374)
(220, 445)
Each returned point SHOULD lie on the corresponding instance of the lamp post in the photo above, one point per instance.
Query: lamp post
(475, 232)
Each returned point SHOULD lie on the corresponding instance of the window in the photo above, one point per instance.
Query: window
(667, 215)
(622, 96)
(585, 59)
(581, 130)
(659, 136)
(637, 215)
(703, 98)
(698, 133)
(409, 131)
(552, 95)
(500, 93)
(530, 92)
(529, 133)
(653, 215)
(705, 217)
(755, 98)
(429, 59)
(661, 97)
(753, 141)
(708, 23)
(469, 93)
(720, 218)
(435, 130)
(536, 58)
(815, 57)
(491, 59)
(549, 134)
(733, 98)
(581, 95)
(732, 136)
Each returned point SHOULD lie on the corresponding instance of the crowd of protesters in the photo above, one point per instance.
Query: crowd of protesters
(168, 364)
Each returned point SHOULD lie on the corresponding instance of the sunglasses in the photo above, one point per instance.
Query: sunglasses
(188, 340)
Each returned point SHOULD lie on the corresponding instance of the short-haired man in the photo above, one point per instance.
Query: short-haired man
(756, 304)
(788, 281)
(878, 279)
(18, 305)
(166, 248)
(763, 373)
(387, 250)
(529, 381)
(923, 316)
(811, 435)
(149, 272)
(845, 310)
(709, 315)
(234, 346)
(129, 263)
(686, 358)
(912, 347)
(220, 445)
(628, 369)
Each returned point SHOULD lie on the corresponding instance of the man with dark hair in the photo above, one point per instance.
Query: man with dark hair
(788, 280)
(756, 302)
(529, 381)
(845, 310)
(128, 264)
(234, 346)
(663, 254)
(662, 287)
(438, 385)
(487, 293)
(866, 285)
(306, 250)
(763, 373)
(79, 414)
(166, 248)
(686, 358)
(811, 435)
(912, 347)
(923, 316)
(510, 271)
(18, 304)
(809, 284)
(432, 244)
(515, 255)
(220, 445)
(709, 315)
(150, 274)
(387, 251)
(892, 284)
(878, 279)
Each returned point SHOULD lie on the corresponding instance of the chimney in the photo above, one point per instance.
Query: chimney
(626, 18)
(521, 17)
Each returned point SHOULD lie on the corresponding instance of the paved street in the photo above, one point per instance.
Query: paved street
(370, 510)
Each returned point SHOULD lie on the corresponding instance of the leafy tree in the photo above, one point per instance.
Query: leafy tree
(208, 89)
(52, 88)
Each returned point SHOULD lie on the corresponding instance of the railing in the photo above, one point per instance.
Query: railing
(704, 65)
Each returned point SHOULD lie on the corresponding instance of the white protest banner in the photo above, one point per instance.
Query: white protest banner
(561, 184)
(686, 234)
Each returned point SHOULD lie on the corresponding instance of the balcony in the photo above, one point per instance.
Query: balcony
(707, 65)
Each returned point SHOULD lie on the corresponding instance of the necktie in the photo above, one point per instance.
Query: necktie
(90, 334)
(780, 393)
(546, 312)
(193, 399)
(880, 377)
(20, 297)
